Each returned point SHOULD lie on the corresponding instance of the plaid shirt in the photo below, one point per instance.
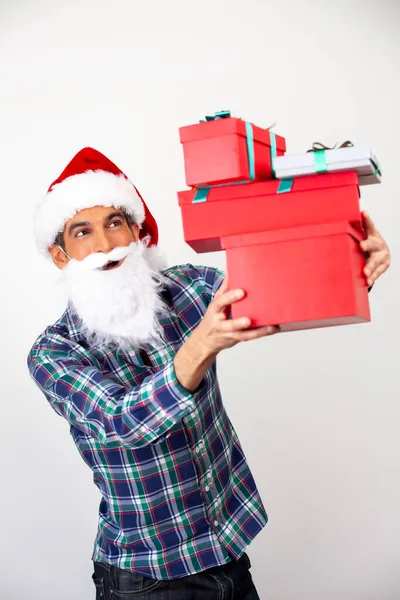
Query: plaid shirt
(177, 494)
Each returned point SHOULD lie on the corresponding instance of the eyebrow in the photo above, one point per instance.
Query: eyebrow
(87, 223)
(117, 213)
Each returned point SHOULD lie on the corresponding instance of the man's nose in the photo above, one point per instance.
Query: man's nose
(103, 242)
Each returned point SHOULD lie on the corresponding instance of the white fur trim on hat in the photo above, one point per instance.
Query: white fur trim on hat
(85, 190)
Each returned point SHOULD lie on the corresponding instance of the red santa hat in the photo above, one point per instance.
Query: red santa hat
(90, 179)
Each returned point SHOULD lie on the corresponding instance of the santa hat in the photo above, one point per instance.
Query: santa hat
(90, 179)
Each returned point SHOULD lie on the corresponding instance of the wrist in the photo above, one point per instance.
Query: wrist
(200, 348)
(191, 363)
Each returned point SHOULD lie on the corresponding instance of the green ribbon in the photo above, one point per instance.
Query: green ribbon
(272, 138)
(201, 195)
(377, 170)
(321, 165)
(285, 185)
(250, 152)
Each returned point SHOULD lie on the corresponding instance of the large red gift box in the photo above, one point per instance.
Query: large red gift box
(227, 150)
(299, 278)
(266, 206)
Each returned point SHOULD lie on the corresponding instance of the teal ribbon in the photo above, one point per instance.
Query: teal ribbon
(201, 195)
(272, 138)
(250, 152)
(377, 170)
(321, 165)
(285, 185)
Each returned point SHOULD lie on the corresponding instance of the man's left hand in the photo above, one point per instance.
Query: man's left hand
(378, 254)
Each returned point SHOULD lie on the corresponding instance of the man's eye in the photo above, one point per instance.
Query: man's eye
(84, 231)
(117, 221)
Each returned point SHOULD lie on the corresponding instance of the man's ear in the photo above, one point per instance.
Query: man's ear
(58, 256)
(135, 229)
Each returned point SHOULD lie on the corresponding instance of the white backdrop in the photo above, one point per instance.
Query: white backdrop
(317, 412)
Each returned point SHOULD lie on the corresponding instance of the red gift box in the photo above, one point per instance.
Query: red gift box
(264, 206)
(299, 278)
(216, 152)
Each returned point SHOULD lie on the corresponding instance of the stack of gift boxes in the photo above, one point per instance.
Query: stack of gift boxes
(290, 225)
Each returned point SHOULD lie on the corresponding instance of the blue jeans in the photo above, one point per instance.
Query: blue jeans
(232, 581)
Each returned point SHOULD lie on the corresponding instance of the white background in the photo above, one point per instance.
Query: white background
(317, 412)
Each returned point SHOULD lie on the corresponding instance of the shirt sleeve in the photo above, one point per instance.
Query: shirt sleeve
(212, 278)
(104, 409)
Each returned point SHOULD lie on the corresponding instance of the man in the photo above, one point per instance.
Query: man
(131, 365)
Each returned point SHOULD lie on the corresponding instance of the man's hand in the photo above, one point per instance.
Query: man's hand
(377, 250)
(214, 333)
(217, 332)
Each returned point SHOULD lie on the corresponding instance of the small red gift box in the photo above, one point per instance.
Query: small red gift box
(299, 278)
(227, 150)
(268, 205)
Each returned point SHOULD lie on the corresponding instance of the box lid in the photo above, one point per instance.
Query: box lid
(270, 188)
(293, 233)
(227, 126)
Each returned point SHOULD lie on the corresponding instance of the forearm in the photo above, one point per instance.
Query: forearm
(106, 410)
(192, 362)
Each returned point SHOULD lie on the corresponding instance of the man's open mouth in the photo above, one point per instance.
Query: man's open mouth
(112, 264)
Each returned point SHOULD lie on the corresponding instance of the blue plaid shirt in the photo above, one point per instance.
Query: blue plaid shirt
(177, 494)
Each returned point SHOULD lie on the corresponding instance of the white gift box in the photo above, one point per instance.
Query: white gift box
(353, 158)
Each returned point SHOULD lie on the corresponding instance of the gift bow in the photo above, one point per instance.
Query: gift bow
(318, 147)
(225, 114)
(221, 114)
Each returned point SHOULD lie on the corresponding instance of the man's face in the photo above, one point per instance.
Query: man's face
(112, 278)
(96, 229)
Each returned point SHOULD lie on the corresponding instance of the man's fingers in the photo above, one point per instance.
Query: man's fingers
(240, 328)
(258, 332)
(377, 272)
(372, 244)
(227, 298)
(368, 224)
(379, 258)
(229, 326)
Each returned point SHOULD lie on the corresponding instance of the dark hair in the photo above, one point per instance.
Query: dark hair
(60, 241)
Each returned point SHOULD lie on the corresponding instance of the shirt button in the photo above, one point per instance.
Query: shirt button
(207, 488)
(182, 406)
(209, 475)
(216, 523)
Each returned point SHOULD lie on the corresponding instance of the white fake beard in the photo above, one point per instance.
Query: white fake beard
(121, 306)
